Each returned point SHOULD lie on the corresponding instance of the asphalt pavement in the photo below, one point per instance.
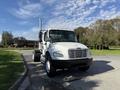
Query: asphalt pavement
(104, 74)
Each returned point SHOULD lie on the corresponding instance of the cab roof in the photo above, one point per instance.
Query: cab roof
(54, 29)
(59, 29)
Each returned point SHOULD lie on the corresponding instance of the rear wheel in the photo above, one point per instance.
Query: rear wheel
(50, 70)
(37, 56)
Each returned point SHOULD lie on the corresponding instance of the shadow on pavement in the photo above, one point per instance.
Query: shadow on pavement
(97, 67)
(100, 67)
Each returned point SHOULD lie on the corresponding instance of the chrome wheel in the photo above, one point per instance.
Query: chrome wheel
(47, 66)
(33, 57)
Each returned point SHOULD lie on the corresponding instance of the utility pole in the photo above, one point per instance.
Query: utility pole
(40, 28)
(40, 23)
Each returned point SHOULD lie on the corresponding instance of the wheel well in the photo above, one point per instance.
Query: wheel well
(47, 54)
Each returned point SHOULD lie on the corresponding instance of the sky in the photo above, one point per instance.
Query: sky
(21, 17)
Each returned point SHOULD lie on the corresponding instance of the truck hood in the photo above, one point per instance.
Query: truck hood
(69, 45)
(63, 48)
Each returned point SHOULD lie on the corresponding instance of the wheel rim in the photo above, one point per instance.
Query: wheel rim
(48, 66)
(33, 57)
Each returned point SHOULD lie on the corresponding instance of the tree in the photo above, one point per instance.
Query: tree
(105, 33)
(19, 41)
(81, 32)
(101, 34)
(7, 38)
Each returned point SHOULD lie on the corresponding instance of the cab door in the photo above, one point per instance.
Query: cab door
(45, 43)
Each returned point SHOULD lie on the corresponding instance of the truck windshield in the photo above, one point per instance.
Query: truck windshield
(62, 36)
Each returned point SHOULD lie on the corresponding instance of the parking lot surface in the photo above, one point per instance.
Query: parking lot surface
(104, 74)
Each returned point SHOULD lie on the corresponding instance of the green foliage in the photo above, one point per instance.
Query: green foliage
(101, 34)
(105, 52)
(11, 68)
(7, 39)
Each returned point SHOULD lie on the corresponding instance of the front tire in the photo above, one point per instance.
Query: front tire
(50, 70)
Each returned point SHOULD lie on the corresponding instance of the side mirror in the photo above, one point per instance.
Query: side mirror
(40, 40)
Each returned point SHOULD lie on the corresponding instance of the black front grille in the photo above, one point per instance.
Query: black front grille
(77, 53)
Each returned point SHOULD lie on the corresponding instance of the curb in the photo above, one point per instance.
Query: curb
(17, 84)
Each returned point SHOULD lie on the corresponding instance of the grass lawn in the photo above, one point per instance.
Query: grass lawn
(11, 67)
(106, 52)
(11, 48)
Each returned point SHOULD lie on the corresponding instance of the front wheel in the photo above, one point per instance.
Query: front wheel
(50, 70)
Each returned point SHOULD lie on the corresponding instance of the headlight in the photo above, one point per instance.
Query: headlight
(57, 54)
(88, 53)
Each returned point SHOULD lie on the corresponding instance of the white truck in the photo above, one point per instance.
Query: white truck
(59, 49)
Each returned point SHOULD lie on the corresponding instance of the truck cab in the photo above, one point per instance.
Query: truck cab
(59, 49)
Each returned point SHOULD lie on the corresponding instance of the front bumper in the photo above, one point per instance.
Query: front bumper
(72, 63)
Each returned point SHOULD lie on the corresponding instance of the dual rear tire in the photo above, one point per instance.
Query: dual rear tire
(37, 56)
